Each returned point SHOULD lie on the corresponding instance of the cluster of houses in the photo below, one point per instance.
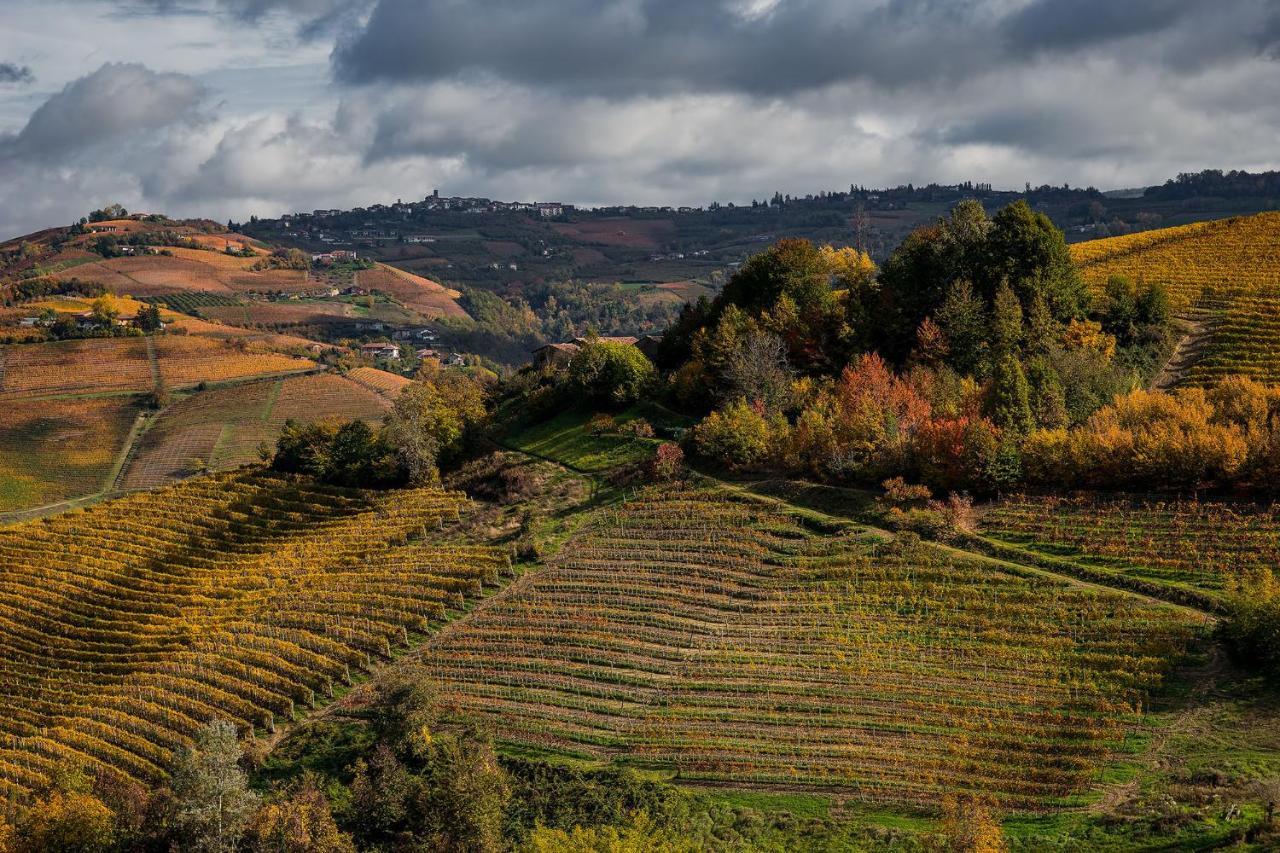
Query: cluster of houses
(336, 256)
(391, 351)
(84, 320)
(559, 354)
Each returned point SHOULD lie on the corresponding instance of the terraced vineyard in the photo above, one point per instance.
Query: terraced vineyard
(1172, 544)
(1243, 339)
(125, 627)
(124, 365)
(700, 633)
(387, 384)
(1238, 253)
(52, 450)
(223, 427)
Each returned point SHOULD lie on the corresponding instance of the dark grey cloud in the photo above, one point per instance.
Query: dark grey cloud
(775, 47)
(626, 46)
(11, 73)
(1065, 25)
(116, 100)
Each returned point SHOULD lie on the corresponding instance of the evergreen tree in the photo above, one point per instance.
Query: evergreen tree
(1010, 399)
(1006, 321)
(1048, 397)
(963, 321)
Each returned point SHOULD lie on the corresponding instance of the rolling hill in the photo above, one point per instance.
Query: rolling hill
(126, 627)
(165, 258)
(1223, 276)
(1228, 255)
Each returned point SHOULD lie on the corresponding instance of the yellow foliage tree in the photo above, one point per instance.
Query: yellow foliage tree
(67, 822)
(970, 827)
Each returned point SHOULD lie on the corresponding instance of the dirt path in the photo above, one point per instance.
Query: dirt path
(1198, 329)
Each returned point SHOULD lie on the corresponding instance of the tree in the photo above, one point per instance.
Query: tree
(1048, 398)
(149, 318)
(462, 805)
(105, 310)
(969, 827)
(737, 435)
(758, 371)
(380, 791)
(69, 818)
(431, 421)
(667, 463)
(1006, 320)
(211, 798)
(301, 821)
(109, 212)
(609, 374)
(1028, 251)
(962, 317)
(1010, 403)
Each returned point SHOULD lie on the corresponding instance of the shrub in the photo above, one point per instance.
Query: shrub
(667, 463)
(601, 424)
(739, 435)
(898, 492)
(640, 428)
(609, 373)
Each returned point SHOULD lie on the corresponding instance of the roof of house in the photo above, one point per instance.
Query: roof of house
(569, 347)
(616, 339)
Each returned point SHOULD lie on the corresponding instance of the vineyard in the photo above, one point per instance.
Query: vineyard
(97, 365)
(190, 302)
(223, 427)
(187, 360)
(387, 384)
(126, 626)
(700, 633)
(53, 450)
(132, 365)
(1170, 543)
(1243, 339)
(1241, 253)
(414, 292)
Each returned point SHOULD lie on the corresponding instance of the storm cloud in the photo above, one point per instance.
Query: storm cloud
(114, 101)
(294, 104)
(768, 49)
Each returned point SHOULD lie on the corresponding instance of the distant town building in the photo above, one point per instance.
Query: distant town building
(334, 257)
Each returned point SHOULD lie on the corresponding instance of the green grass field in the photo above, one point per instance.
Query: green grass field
(567, 440)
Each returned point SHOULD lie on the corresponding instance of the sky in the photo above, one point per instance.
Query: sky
(233, 108)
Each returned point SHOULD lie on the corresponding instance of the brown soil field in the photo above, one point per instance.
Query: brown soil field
(187, 269)
(635, 234)
(273, 313)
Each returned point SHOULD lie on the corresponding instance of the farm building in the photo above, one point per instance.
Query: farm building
(555, 355)
(380, 350)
